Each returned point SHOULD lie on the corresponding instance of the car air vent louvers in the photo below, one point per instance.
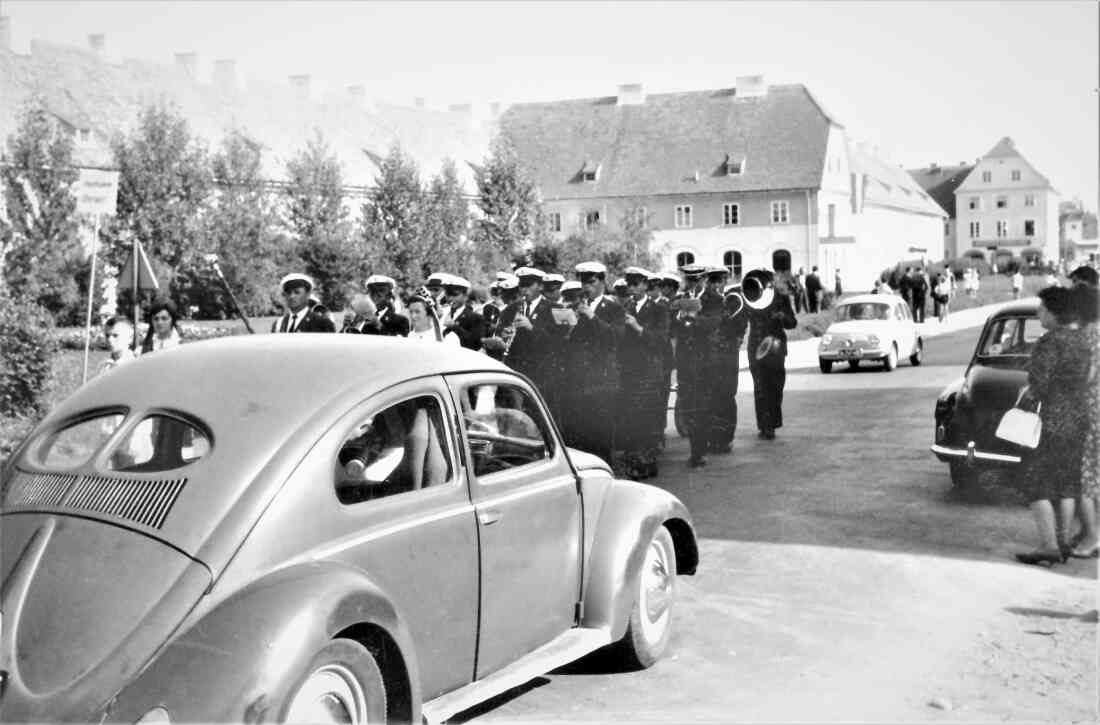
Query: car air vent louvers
(37, 489)
(142, 501)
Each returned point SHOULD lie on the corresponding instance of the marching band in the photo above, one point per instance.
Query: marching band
(601, 354)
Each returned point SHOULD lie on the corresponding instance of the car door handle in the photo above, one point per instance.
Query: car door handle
(488, 516)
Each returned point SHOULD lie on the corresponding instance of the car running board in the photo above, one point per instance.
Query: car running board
(563, 649)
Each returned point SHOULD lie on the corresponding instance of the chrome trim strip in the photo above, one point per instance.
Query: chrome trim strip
(354, 540)
(979, 455)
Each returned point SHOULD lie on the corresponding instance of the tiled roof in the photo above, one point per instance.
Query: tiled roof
(1004, 149)
(673, 143)
(889, 185)
(79, 86)
(940, 182)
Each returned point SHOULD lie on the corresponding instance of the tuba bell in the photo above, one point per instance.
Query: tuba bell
(758, 289)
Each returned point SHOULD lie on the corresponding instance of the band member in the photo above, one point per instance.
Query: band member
(670, 286)
(641, 363)
(509, 290)
(767, 348)
(693, 280)
(532, 324)
(392, 323)
(692, 335)
(490, 311)
(363, 318)
(436, 284)
(592, 365)
(621, 292)
(722, 368)
(302, 313)
(464, 321)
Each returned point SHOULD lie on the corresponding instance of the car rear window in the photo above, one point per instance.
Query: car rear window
(75, 444)
(159, 443)
(1011, 336)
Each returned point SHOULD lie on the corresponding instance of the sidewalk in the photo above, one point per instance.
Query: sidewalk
(803, 353)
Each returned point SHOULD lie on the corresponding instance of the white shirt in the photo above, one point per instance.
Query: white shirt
(449, 339)
(163, 343)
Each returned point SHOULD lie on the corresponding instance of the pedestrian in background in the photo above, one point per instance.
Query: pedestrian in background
(838, 288)
(801, 304)
(164, 331)
(814, 289)
(941, 295)
(1017, 283)
(303, 314)
(1088, 310)
(119, 332)
(1057, 372)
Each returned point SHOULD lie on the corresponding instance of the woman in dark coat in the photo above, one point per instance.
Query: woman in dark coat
(1056, 378)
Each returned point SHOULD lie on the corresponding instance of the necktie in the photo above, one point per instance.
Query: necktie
(293, 323)
(286, 323)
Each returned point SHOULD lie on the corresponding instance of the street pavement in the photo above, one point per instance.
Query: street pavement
(842, 580)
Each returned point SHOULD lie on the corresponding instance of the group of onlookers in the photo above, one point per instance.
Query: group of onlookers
(1062, 475)
(807, 291)
(163, 333)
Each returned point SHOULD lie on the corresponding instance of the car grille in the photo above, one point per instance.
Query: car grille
(143, 501)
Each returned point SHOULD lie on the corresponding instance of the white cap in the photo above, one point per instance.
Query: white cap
(455, 281)
(620, 282)
(636, 272)
(501, 276)
(554, 278)
(531, 272)
(296, 278)
(591, 268)
(439, 278)
(571, 285)
(510, 283)
(380, 279)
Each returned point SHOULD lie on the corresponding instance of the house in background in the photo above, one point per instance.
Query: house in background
(744, 177)
(1077, 231)
(940, 182)
(1007, 209)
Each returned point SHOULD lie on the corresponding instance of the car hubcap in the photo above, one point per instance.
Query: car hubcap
(655, 592)
(330, 695)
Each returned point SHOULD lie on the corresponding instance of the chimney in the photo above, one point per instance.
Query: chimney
(631, 94)
(751, 87)
(188, 63)
(225, 76)
(5, 33)
(418, 102)
(300, 85)
(98, 43)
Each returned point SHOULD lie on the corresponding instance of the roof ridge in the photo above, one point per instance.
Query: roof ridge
(665, 94)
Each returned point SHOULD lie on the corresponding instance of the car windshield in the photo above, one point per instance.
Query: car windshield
(1013, 336)
(863, 311)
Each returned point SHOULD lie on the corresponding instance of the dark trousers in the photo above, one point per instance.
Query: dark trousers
(919, 301)
(723, 411)
(768, 382)
(813, 300)
(696, 416)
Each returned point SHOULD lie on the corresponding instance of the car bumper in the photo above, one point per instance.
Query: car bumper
(859, 353)
(972, 454)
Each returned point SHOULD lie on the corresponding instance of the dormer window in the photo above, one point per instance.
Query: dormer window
(83, 135)
(590, 172)
(735, 165)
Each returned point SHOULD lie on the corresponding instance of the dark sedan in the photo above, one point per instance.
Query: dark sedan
(969, 409)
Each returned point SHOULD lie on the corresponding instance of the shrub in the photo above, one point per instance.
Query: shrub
(26, 356)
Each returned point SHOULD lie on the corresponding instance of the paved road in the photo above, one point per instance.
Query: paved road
(842, 580)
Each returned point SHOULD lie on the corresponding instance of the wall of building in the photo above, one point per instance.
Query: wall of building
(1044, 214)
(886, 236)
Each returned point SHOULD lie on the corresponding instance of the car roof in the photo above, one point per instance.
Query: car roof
(1025, 308)
(870, 297)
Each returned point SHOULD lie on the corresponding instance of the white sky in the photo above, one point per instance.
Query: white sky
(933, 81)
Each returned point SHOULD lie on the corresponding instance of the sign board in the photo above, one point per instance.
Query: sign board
(147, 280)
(96, 191)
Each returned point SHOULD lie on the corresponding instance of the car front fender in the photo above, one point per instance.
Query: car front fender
(237, 662)
(629, 516)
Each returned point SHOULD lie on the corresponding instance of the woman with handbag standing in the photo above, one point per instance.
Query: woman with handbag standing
(1056, 379)
(1088, 310)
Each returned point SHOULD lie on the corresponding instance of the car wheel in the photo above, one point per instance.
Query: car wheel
(918, 354)
(825, 365)
(891, 360)
(962, 475)
(341, 685)
(650, 626)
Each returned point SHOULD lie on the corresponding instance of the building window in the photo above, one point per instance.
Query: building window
(780, 213)
(1002, 202)
(591, 220)
(947, 227)
(1029, 200)
(683, 259)
(590, 172)
(731, 214)
(554, 221)
(832, 220)
(1015, 174)
(1002, 229)
(85, 136)
(734, 166)
(781, 260)
(731, 260)
(987, 176)
(975, 203)
(683, 216)
(638, 217)
(1029, 227)
(975, 230)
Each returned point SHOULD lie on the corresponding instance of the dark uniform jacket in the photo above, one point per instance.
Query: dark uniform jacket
(470, 327)
(359, 326)
(527, 352)
(597, 341)
(393, 323)
(775, 320)
(315, 320)
(491, 314)
(643, 354)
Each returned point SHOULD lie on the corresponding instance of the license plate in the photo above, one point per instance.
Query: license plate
(847, 352)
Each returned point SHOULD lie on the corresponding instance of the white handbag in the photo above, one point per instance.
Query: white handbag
(1021, 427)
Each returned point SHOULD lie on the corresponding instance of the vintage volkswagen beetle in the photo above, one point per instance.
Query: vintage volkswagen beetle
(970, 408)
(311, 529)
(871, 327)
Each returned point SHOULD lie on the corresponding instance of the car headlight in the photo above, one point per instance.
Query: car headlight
(826, 339)
(873, 339)
(156, 716)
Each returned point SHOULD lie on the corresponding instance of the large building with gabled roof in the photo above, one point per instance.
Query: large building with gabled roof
(1006, 208)
(744, 177)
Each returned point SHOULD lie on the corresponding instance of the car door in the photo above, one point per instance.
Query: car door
(905, 330)
(528, 508)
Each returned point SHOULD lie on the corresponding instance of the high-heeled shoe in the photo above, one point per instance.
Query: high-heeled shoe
(1040, 557)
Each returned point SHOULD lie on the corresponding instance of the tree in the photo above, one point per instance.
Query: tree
(41, 256)
(508, 199)
(446, 222)
(630, 244)
(394, 235)
(164, 190)
(242, 232)
(315, 214)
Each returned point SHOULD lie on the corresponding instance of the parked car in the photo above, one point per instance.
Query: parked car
(970, 408)
(314, 529)
(871, 327)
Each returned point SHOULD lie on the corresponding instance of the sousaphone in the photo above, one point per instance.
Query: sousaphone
(758, 290)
